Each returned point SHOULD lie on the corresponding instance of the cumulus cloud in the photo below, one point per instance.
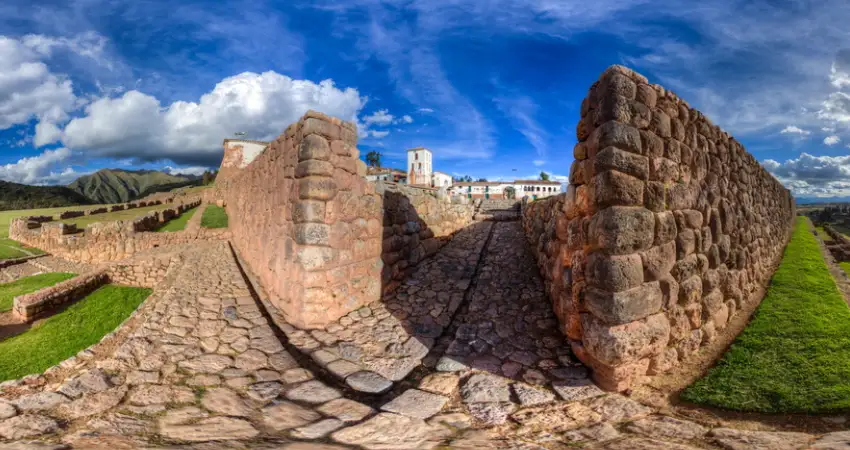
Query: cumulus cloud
(831, 140)
(379, 134)
(406, 119)
(41, 169)
(136, 125)
(46, 133)
(425, 110)
(89, 44)
(811, 175)
(791, 129)
(28, 89)
(193, 170)
(381, 117)
(538, 162)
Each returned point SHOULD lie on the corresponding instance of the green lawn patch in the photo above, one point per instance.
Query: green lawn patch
(214, 217)
(8, 291)
(63, 335)
(846, 266)
(794, 356)
(178, 224)
(823, 234)
(10, 249)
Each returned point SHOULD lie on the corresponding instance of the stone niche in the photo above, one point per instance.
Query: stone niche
(668, 227)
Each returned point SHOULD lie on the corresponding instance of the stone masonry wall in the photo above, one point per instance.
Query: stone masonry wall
(308, 223)
(667, 229)
(106, 241)
(417, 223)
(37, 304)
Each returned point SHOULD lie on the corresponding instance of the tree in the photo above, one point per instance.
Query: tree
(544, 176)
(482, 180)
(373, 159)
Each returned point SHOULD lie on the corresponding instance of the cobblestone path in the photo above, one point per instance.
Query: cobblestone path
(201, 367)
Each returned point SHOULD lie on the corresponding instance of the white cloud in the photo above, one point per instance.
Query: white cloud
(425, 110)
(521, 111)
(89, 44)
(538, 162)
(406, 119)
(836, 108)
(382, 117)
(193, 170)
(791, 129)
(41, 169)
(831, 140)
(838, 78)
(46, 133)
(809, 175)
(379, 134)
(136, 125)
(28, 89)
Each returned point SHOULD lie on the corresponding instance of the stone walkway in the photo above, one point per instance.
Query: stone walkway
(201, 367)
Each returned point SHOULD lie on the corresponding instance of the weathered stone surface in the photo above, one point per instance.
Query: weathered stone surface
(7, 410)
(626, 343)
(627, 306)
(662, 427)
(616, 408)
(530, 395)
(388, 431)
(39, 402)
(596, 433)
(644, 444)
(485, 388)
(760, 440)
(224, 401)
(367, 381)
(317, 430)
(575, 390)
(27, 425)
(148, 394)
(90, 381)
(557, 417)
(207, 364)
(416, 403)
(211, 429)
(346, 410)
(491, 413)
(440, 383)
(285, 415)
(621, 230)
(94, 403)
(833, 441)
(313, 392)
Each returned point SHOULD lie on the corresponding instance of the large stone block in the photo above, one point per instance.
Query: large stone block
(612, 158)
(621, 344)
(308, 211)
(317, 188)
(314, 146)
(620, 230)
(614, 273)
(613, 188)
(312, 234)
(616, 134)
(626, 306)
(658, 261)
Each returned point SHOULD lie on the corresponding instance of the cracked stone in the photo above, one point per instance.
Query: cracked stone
(27, 425)
(416, 403)
(212, 429)
(313, 392)
(317, 430)
(346, 410)
(369, 382)
(225, 401)
(285, 415)
(485, 388)
(531, 396)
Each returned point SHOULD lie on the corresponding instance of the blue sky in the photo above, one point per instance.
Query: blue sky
(492, 87)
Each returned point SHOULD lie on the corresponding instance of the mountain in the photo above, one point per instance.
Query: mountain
(20, 196)
(119, 186)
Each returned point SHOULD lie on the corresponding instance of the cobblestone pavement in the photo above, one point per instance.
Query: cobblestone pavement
(382, 343)
(202, 368)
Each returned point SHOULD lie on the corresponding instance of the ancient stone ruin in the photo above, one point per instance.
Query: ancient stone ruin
(329, 297)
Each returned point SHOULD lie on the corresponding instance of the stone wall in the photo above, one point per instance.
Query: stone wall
(417, 223)
(667, 229)
(146, 272)
(37, 304)
(71, 214)
(106, 241)
(308, 223)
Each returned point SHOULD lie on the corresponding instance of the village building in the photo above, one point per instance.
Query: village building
(440, 179)
(419, 172)
(518, 189)
(386, 174)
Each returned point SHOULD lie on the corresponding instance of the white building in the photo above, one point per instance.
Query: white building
(440, 179)
(419, 170)
(500, 189)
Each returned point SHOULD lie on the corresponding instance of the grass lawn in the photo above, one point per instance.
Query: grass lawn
(8, 291)
(63, 335)
(178, 224)
(127, 214)
(214, 217)
(823, 234)
(794, 356)
(10, 249)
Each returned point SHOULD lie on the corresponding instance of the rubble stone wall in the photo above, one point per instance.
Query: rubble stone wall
(667, 229)
(37, 304)
(106, 241)
(417, 223)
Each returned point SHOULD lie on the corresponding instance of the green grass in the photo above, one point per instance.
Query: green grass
(127, 214)
(10, 249)
(63, 335)
(823, 234)
(178, 224)
(794, 356)
(8, 291)
(214, 217)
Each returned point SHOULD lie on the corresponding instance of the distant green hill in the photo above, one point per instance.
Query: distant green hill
(15, 196)
(119, 186)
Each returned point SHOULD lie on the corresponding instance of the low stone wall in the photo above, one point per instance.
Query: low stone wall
(145, 272)
(667, 229)
(37, 304)
(92, 212)
(71, 214)
(417, 223)
(840, 245)
(115, 208)
(107, 241)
